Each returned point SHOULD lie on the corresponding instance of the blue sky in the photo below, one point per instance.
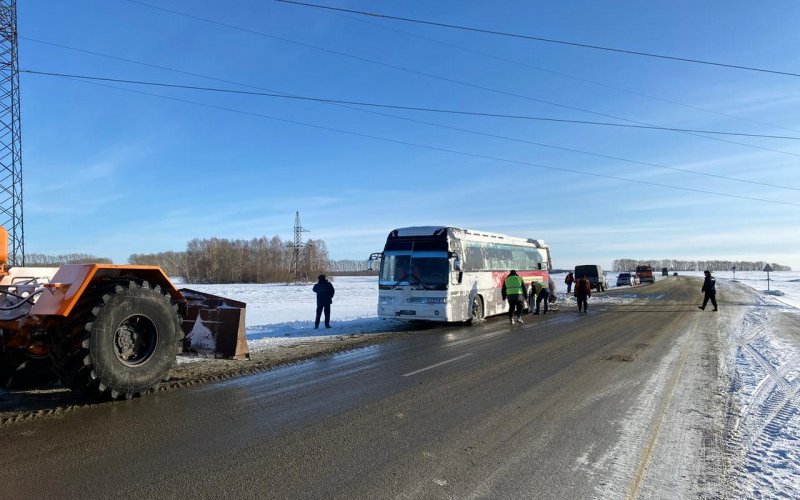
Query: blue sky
(112, 172)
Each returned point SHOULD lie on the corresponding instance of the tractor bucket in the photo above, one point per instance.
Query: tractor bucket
(214, 326)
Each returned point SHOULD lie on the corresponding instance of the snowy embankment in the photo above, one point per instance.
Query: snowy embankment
(276, 312)
(763, 364)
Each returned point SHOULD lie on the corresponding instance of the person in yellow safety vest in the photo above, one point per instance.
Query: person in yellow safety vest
(515, 291)
(540, 291)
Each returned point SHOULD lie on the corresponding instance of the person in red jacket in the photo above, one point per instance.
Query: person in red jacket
(583, 290)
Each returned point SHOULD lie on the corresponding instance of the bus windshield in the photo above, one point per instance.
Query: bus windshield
(428, 270)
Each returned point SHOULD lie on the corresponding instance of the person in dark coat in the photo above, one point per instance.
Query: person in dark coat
(324, 290)
(515, 291)
(569, 280)
(710, 290)
(583, 290)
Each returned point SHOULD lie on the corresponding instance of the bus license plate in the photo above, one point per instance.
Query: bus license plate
(407, 312)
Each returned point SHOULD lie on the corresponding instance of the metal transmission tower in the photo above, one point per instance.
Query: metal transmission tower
(10, 135)
(300, 273)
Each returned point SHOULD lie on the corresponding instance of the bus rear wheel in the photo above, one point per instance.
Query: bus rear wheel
(476, 315)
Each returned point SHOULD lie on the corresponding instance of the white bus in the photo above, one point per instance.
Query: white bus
(451, 274)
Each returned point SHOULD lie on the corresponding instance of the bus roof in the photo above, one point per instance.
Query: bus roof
(465, 234)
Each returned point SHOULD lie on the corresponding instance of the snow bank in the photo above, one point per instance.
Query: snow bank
(280, 311)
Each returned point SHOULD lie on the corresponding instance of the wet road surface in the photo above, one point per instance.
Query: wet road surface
(492, 411)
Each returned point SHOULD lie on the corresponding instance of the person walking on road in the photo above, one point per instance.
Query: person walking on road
(514, 291)
(583, 290)
(540, 291)
(710, 291)
(324, 290)
(569, 280)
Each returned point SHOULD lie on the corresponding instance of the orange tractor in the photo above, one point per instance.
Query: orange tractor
(104, 330)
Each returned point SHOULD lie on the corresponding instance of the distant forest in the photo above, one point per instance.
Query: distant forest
(260, 260)
(695, 265)
(42, 260)
(218, 260)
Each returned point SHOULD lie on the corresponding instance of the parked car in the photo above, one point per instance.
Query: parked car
(594, 274)
(629, 279)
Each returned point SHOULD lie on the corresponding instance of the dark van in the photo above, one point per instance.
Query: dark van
(594, 274)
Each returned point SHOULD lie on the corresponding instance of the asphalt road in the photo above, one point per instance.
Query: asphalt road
(568, 405)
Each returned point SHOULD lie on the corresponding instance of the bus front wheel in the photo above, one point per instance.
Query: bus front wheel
(477, 316)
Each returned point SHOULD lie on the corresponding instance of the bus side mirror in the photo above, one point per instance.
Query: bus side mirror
(372, 258)
(456, 260)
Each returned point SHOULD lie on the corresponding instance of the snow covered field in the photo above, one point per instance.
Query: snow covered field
(760, 358)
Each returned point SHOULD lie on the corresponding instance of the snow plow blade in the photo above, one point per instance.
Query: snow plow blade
(214, 326)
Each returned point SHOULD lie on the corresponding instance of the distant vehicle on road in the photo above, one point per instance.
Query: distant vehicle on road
(629, 279)
(594, 274)
(645, 274)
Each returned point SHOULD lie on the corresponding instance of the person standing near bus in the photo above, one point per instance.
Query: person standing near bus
(540, 291)
(583, 290)
(710, 291)
(324, 290)
(514, 291)
(569, 280)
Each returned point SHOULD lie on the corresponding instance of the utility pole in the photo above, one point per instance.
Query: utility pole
(297, 268)
(10, 135)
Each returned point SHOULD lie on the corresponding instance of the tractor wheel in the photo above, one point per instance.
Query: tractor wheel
(127, 346)
(477, 315)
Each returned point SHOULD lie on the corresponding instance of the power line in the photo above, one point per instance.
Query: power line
(562, 74)
(590, 153)
(134, 61)
(400, 107)
(539, 39)
(423, 122)
(434, 76)
(441, 149)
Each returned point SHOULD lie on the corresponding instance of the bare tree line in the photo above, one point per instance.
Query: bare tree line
(217, 260)
(259, 260)
(42, 260)
(347, 266)
(695, 265)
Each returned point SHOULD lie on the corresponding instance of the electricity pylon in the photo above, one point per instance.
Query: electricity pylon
(300, 272)
(10, 136)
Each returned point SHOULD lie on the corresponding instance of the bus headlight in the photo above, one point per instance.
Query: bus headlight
(385, 300)
(427, 300)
